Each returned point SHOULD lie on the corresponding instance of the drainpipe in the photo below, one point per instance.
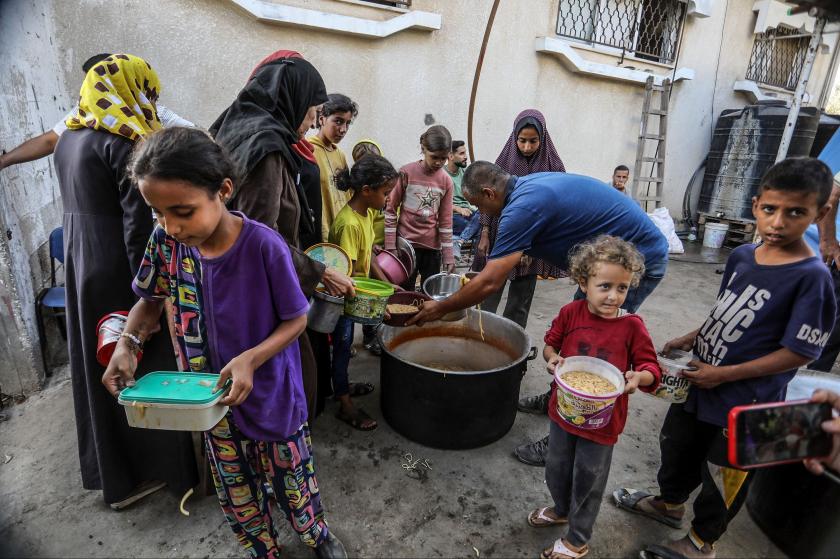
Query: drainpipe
(807, 66)
(478, 65)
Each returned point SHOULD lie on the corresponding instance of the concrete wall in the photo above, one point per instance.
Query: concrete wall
(205, 49)
(34, 96)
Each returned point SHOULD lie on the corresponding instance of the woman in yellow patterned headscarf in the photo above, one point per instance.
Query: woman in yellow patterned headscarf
(119, 96)
(106, 227)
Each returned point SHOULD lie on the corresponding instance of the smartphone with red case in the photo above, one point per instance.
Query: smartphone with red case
(778, 433)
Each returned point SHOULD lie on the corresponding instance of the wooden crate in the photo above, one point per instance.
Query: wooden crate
(741, 231)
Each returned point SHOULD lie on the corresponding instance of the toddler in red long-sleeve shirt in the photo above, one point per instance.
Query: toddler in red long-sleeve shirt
(578, 460)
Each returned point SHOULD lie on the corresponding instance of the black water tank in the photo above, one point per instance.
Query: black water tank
(743, 147)
(798, 511)
(828, 126)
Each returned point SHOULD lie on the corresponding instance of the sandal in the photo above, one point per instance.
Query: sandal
(538, 519)
(360, 389)
(660, 552)
(684, 548)
(357, 419)
(632, 501)
(560, 550)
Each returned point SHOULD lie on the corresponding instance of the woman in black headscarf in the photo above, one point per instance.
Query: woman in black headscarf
(259, 129)
(271, 114)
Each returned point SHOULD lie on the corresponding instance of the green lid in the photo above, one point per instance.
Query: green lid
(374, 287)
(164, 387)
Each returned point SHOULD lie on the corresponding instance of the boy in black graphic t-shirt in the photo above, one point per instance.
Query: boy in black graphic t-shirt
(774, 313)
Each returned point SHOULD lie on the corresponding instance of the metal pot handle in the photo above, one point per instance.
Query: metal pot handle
(532, 354)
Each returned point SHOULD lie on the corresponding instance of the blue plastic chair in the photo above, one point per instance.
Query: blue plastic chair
(51, 300)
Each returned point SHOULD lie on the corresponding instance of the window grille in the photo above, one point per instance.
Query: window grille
(777, 60)
(647, 29)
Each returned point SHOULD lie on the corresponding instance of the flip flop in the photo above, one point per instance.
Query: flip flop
(360, 389)
(538, 519)
(660, 552)
(560, 547)
(628, 499)
(355, 420)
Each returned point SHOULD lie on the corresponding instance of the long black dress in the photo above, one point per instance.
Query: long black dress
(106, 228)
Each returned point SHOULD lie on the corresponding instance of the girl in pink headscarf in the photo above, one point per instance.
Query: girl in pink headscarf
(528, 150)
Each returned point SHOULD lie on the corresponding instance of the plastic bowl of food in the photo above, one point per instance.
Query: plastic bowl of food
(403, 305)
(587, 389)
(368, 306)
(174, 401)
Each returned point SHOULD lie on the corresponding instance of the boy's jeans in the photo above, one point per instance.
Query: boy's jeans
(342, 342)
(464, 229)
(694, 453)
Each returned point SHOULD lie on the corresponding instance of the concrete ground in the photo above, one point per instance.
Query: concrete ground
(470, 504)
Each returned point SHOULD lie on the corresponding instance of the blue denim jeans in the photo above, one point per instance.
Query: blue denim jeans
(342, 342)
(464, 229)
(459, 222)
(472, 228)
(654, 272)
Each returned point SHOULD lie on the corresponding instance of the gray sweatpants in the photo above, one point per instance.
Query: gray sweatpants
(576, 471)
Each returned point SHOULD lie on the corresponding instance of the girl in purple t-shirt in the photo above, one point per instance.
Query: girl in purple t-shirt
(238, 311)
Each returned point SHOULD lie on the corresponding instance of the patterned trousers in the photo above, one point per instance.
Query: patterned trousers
(241, 467)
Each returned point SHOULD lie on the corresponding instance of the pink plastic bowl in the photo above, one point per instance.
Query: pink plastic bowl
(392, 267)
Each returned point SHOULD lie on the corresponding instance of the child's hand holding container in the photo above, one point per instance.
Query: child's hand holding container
(634, 379)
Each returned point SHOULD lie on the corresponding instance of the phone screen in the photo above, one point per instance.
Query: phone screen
(785, 433)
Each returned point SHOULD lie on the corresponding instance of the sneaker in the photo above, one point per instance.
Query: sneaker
(532, 454)
(535, 404)
(374, 347)
(368, 339)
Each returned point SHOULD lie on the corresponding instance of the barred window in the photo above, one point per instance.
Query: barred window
(647, 29)
(776, 60)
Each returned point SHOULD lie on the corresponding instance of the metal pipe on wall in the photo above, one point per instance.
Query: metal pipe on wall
(477, 75)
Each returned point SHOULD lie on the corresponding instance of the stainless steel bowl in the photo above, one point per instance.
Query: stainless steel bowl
(406, 255)
(442, 286)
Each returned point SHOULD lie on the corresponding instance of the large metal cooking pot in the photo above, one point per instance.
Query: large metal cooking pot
(426, 401)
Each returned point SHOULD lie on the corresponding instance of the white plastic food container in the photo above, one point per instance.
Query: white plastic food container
(587, 411)
(174, 401)
(674, 386)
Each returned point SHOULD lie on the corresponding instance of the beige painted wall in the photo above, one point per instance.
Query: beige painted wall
(205, 49)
